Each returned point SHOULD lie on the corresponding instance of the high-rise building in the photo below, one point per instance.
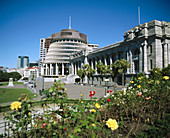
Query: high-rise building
(22, 61)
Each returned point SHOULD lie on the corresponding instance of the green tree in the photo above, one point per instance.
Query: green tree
(100, 69)
(81, 74)
(106, 70)
(113, 73)
(121, 66)
(87, 68)
(15, 75)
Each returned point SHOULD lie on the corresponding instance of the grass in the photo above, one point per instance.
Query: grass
(6, 83)
(10, 95)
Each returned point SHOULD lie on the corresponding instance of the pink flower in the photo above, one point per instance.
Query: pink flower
(147, 98)
(109, 91)
(44, 124)
(139, 94)
(108, 100)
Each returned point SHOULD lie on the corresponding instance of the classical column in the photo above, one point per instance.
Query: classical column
(111, 61)
(95, 64)
(128, 59)
(62, 69)
(85, 60)
(145, 56)
(165, 55)
(72, 68)
(92, 63)
(56, 69)
(140, 60)
(50, 69)
(116, 56)
(105, 60)
(42, 70)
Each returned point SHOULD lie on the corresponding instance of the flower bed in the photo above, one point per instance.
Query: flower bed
(121, 114)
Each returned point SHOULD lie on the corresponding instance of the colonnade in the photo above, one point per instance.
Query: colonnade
(55, 69)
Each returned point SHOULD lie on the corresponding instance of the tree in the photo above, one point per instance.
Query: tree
(87, 68)
(106, 70)
(15, 75)
(81, 74)
(113, 73)
(92, 72)
(100, 69)
(121, 66)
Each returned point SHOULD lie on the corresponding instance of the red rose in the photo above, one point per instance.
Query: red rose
(90, 95)
(92, 92)
(65, 128)
(109, 91)
(108, 100)
(44, 124)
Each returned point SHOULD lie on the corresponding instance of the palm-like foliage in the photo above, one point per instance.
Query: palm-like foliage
(89, 72)
(81, 74)
(100, 69)
(121, 67)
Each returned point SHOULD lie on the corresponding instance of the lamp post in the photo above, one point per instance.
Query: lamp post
(106, 81)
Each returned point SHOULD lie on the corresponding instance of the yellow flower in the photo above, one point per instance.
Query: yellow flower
(15, 105)
(81, 95)
(93, 110)
(65, 89)
(139, 86)
(157, 82)
(111, 123)
(97, 105)
(139, 78)
(29, 113)
(148, 81)
(60, 77)
(131, 81)
(81, 101)
(93, 124)
(35, 125)
(166, 77)
(155, 71)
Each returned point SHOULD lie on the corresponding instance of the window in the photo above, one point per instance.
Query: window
(151, 65)
(150, 49)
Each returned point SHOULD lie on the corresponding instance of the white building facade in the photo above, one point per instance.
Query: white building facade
(145, 46)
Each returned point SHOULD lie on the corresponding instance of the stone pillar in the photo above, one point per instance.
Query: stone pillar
(105, 60)
(95, 64)
(85, 60)
(145, 57)
(128, 59)
(62, 69)
(158, 49)
(42, 70)
(111, 61)
(75, 68)
(92, 63)
(56, 69)
(140, 60)
(72, 68)
(165, 55)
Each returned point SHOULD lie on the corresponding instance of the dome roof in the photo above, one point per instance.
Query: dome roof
(70, 34)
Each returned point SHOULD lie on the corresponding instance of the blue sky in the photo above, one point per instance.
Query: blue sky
(24, 22)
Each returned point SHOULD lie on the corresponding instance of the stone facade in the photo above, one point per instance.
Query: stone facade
(145, 46)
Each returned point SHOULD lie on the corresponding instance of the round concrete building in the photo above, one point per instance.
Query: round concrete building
(63, 43)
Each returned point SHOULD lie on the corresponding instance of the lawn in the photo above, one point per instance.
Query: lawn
(10, 95)
(6, 83)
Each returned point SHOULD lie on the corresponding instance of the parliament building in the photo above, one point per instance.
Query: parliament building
(145, 47)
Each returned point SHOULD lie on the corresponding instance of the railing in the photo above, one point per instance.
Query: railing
(6, 127)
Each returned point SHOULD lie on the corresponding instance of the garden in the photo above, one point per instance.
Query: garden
(140, 111)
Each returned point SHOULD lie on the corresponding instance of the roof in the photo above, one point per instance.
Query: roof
(33, 68)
